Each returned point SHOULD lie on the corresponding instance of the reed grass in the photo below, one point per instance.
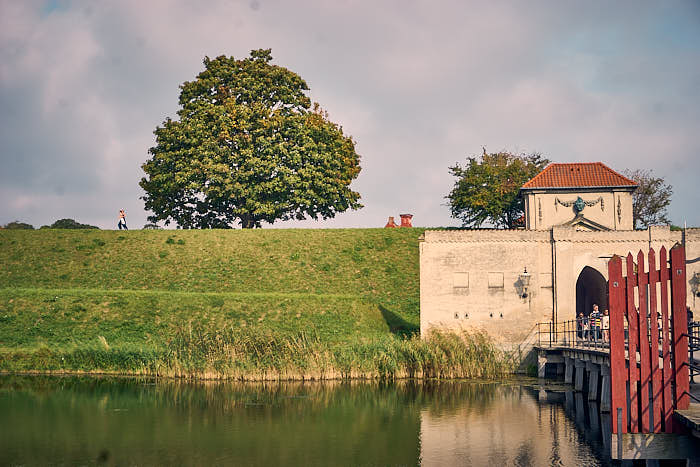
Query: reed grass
(232, 354)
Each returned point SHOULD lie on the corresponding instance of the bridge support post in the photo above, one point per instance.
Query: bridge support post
(569, 371)
(580, 366)
(593, 373)
(541, 364)
(605, 389)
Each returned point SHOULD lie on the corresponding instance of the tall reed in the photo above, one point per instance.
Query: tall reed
(247, 354)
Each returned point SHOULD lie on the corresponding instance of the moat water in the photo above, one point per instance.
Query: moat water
(112, 421)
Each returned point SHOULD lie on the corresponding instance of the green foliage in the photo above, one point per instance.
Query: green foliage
(248, 147)
(650, 200)
(17, 225)
(68, 224)
(488, 187)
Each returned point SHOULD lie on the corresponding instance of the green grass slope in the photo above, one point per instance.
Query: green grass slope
(229, 303)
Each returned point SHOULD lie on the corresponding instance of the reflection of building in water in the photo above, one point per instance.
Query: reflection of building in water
(512, 429)
(504, 281)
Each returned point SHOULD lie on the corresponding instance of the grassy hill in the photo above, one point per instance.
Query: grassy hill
(209, 302)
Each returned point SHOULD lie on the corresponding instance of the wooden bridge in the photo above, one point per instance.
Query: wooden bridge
(641, 372)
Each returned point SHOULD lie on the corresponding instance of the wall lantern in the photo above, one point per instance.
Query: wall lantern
(695, 284)
(524, 282)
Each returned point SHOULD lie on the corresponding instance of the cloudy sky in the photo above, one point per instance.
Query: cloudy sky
(420, 85)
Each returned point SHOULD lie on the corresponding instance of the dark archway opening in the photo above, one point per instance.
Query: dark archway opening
(591, 288)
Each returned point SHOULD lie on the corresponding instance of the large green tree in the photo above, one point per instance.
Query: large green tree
(248, 147)
(650, 200)
(487, 188)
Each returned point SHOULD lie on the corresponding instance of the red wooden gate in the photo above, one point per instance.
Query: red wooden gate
(659, 383)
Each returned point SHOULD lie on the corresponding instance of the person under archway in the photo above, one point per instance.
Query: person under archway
(606, 326)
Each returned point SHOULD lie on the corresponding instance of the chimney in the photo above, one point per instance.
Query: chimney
(391, 223)
(406, 220)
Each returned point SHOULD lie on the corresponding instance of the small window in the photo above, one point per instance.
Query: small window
(460, 283)
(460, 280)
(495, 280)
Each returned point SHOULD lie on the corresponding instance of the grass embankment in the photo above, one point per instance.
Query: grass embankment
(236, 304)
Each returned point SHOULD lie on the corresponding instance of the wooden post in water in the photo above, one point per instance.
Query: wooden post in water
(633, 338)
(644, 369)
(680, 327)
(654, 352)
(618, 378)
(665, 346)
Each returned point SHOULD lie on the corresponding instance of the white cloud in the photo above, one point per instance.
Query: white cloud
(419, 85)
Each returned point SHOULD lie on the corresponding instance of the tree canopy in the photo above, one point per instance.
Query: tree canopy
(488, 187)
(17, 225)
(68, 224)
(248, 147)
(650, 200)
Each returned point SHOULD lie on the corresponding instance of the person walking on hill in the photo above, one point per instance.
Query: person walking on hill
(122, 220)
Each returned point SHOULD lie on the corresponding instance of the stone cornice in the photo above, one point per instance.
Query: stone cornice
(557, 234)
(486, 236)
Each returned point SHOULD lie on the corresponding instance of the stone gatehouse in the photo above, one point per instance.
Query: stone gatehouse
(577, 216)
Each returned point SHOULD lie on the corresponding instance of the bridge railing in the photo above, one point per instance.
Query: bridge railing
(572, 333)
(694, 346)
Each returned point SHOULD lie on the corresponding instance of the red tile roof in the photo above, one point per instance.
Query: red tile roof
(579, 174)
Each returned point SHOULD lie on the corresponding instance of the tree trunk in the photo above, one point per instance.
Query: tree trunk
(248, 222)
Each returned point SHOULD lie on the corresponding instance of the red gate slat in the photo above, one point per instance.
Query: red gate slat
(654, 344)
(665, 339)
(633, 338)
(618, 378)
(680, 327)
(644, 367)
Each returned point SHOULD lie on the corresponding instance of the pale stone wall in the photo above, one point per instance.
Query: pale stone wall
(612, 208)
(469, 279)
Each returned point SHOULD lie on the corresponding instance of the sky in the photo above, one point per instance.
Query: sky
(420, 85)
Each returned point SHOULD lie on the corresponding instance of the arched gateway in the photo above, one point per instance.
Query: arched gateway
(591, 288)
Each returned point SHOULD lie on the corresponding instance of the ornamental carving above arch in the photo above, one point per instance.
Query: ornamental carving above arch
(579, 203)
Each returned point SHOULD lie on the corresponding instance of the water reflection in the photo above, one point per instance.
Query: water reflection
(520, 426)
(73, 420)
